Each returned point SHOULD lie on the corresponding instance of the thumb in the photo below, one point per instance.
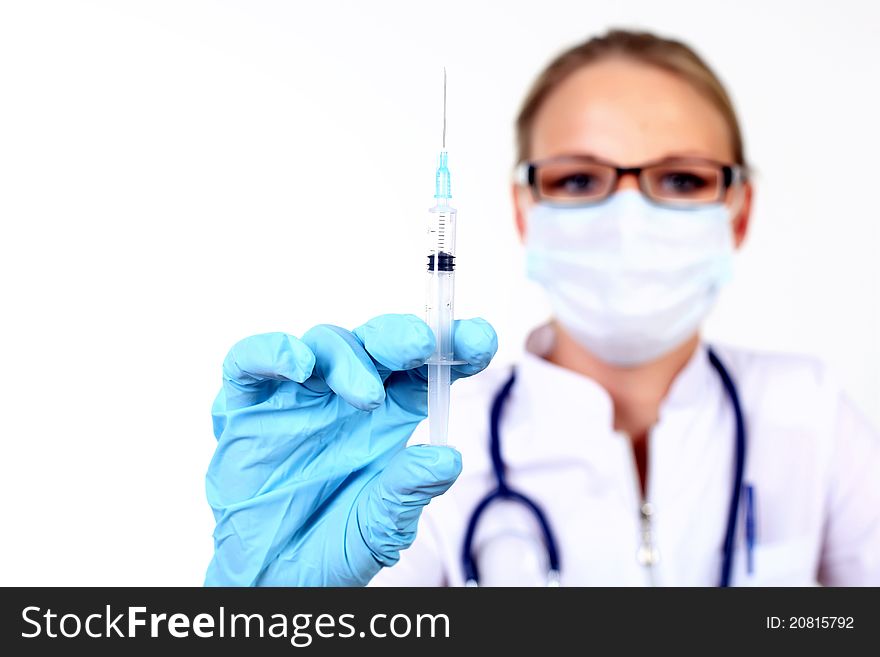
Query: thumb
(390, 506)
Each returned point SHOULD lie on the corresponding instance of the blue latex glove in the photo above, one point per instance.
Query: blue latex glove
(311, 483)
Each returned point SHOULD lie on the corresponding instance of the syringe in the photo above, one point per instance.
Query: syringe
(441, 289)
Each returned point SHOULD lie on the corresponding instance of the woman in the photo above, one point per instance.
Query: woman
(624, 450)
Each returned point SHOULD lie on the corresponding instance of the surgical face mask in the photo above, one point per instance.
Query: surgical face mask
(627, 279)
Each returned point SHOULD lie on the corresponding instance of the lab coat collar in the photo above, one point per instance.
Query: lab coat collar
(558, 391)
(569, 415)
(692, 384)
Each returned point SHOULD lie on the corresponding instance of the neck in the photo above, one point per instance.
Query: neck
(636, 392)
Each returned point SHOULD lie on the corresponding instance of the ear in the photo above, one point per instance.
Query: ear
(521, 201)
(741, 221)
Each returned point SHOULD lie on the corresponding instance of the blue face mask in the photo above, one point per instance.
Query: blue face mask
(627, 279)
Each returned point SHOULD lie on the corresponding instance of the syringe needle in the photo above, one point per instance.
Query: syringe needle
(444, 108)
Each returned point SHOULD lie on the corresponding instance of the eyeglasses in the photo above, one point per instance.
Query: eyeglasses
(577, 180)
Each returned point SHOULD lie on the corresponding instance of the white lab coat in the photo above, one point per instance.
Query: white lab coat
(812, 458)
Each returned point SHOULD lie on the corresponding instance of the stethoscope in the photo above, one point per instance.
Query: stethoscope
(503, 491)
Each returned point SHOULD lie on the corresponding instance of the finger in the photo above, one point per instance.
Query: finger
(254, 367)
(475, 341)
(396, 342)
(389, 510)
(342, 365)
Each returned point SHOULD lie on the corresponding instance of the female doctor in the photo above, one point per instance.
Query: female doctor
(621, 449)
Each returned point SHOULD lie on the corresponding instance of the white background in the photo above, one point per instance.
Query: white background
(177, 175)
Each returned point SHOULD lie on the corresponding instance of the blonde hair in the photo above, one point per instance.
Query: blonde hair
(667, 54)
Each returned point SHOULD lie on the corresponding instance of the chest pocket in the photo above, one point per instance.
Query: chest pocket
(789, 562)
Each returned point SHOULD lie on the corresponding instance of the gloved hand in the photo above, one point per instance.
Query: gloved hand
(311, 483)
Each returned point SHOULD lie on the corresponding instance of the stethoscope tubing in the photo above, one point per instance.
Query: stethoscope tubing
(503, 491)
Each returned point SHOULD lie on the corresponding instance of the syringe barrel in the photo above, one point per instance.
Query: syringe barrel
(441, 238)
(441, 277)
(439, 312)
